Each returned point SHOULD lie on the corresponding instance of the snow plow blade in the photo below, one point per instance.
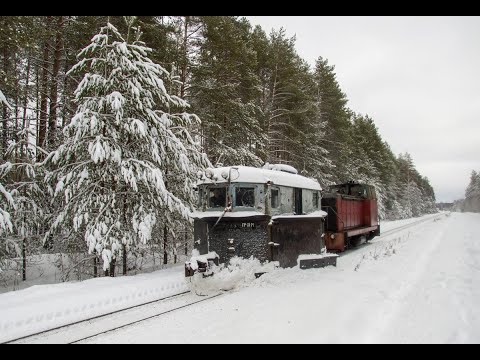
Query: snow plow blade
(318, 262)
(201, 264)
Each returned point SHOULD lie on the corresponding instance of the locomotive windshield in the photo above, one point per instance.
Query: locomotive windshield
(217, 197)
(244, 197)
(354, 189)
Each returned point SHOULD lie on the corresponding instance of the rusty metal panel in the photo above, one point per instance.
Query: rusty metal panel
(200, 234)
(350, 213)
(293, 237)
(318, 263)
(337, 243)
(360, 231)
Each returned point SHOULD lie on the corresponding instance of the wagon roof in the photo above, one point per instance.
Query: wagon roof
(246, 174)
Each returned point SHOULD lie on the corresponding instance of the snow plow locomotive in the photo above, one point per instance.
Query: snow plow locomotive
(271, 213)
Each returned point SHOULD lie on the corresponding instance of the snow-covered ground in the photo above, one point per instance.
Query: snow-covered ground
(419, 285)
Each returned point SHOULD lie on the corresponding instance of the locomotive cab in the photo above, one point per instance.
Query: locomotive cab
(270, 213)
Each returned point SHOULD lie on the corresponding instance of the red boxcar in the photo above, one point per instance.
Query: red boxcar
(352, 215)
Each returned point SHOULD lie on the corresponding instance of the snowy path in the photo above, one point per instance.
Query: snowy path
(438, 298)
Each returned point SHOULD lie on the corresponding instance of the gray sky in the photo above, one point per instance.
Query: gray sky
(417, 77)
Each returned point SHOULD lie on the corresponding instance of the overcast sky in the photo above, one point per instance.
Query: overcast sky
(417, 77)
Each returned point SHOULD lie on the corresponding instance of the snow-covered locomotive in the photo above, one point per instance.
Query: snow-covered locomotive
(275, 214)
(352, 215)
(270, 213)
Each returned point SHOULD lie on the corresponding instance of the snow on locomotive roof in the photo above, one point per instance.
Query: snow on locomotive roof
(282, 175)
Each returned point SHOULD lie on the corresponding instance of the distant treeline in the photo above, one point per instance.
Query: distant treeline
(471, 203)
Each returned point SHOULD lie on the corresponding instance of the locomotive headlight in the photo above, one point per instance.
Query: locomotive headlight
(332, 236)
(209, 173)
(224, 174)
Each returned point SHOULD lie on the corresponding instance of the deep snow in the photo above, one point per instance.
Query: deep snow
(419, 285)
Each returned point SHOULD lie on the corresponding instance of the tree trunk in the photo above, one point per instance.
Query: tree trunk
(124, 247)
(17, 99)
(165, 254)
(5, 108)
(25, 104)
(165, 230)
(24, 263)
(42, 129)
(183, 75)
(4, 132)
(52, 122)
(186, 241)
(112, 267)
(95, 268)
(65, 90)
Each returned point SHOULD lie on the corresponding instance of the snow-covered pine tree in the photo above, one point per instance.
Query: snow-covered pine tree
(7, 203)
(6, 200)
(224, 90)
(125, 142)
(472, 193)
(3, 100)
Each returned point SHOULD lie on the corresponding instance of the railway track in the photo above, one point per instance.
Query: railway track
(92, 327)
(385, 234)
(143, 319)
(409, 225)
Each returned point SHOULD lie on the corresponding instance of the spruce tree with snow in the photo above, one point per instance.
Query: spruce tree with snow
(3, 100)
(472, 193)
(7, 205)
(6, 200)
(127, 140)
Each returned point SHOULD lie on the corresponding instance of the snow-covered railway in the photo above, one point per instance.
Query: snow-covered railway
(131, 322)
(388, 234)
(409, 225)
(88, 328)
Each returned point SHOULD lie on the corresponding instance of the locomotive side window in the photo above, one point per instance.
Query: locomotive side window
(245, 196)
(359, 191)
(275, 203)
(315, 200)
(217, 197)
(286, 199)
(298, 201)
(200, 198)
